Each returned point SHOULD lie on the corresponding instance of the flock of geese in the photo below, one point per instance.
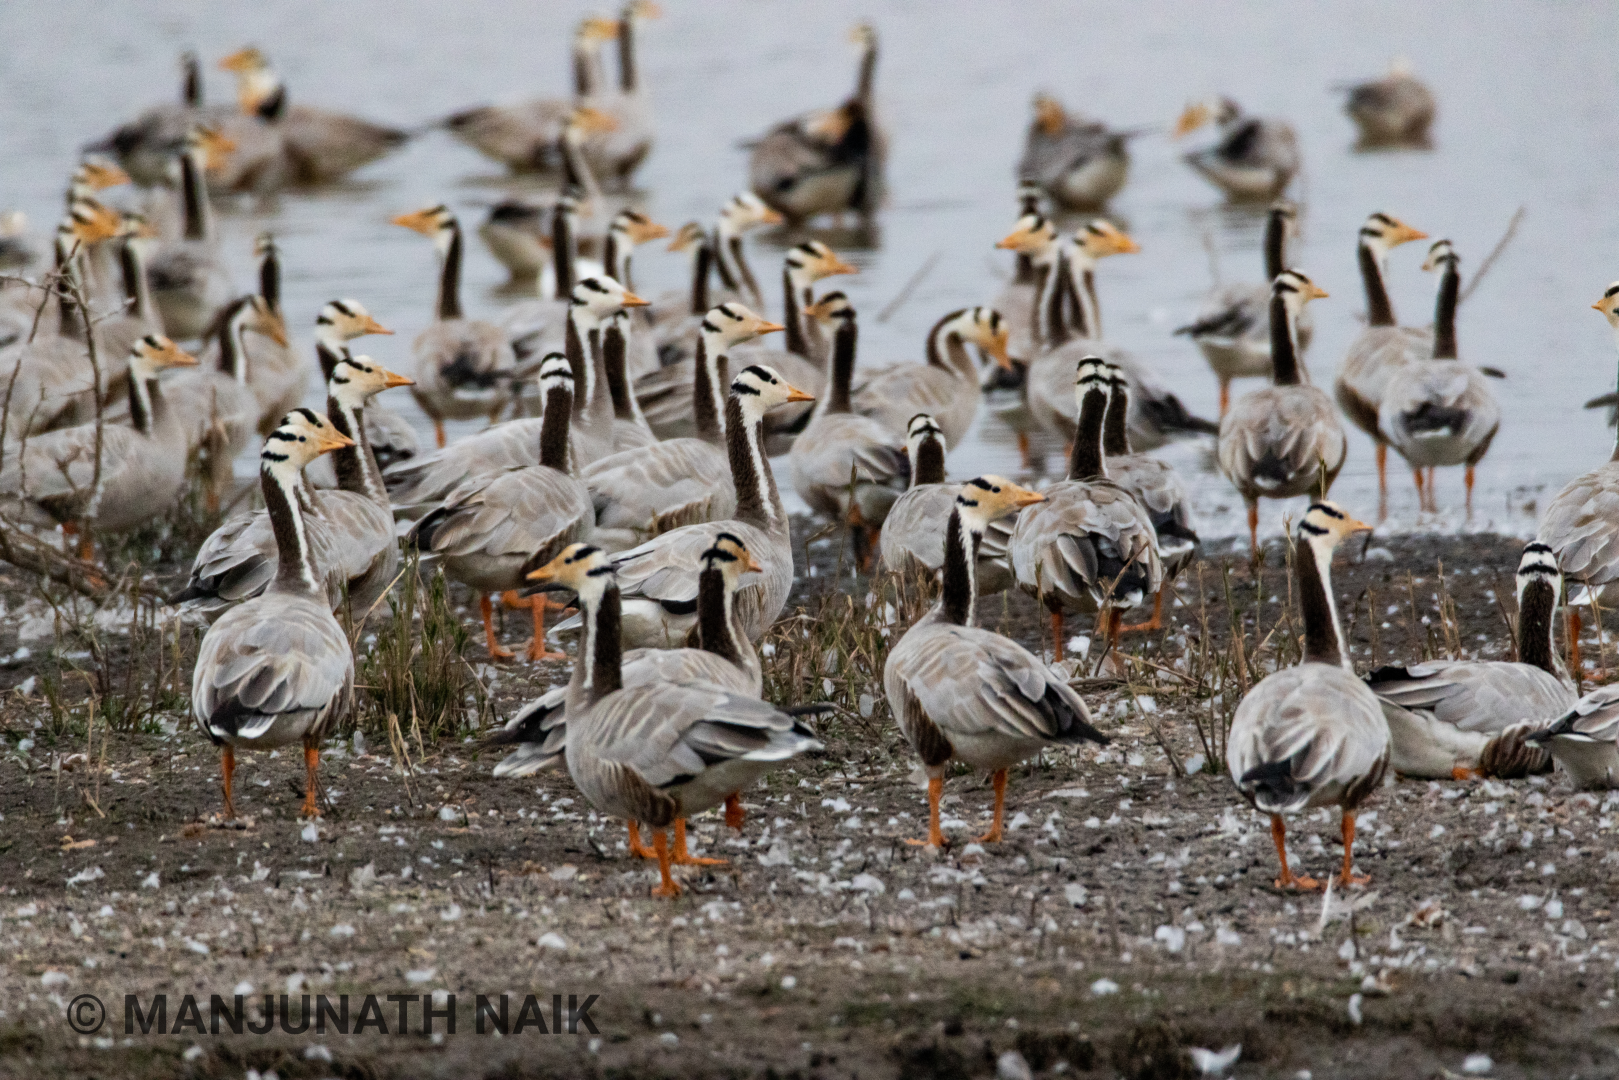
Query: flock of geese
(630, 456)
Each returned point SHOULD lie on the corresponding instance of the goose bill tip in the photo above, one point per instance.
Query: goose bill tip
(768, 328)
(795, 394)
(391, 379)
(631, 300)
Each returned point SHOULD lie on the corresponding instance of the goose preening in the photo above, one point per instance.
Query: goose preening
(464, 367)
(1079, 163)
(1250, 158)
(278, 668)
(349, 531)
(664, 750)
(100, 477)
(1383, 347)
(963, 693)
(1451, 719)
(188, 276)
(1284, 440)
(492, 530)
(1440, 412)
(1233, 326)
(948, 386)
(826, 162)
(1396, 110)
(1088, 545)
(1312, 735)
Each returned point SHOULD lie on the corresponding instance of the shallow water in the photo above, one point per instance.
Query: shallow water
(1526, 99)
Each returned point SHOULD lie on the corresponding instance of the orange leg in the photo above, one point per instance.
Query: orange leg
(1469, 482)
(227, 766)
(1056, 636)
(734, 814)
(495, 651)
(660, 844)
(1109, 628)
(1157, 620)
(1023, 448)
(935, 793)
(1225, 397)
(1278, 833)
(638, 849)
(1574, 644)
(682, 857)
(536, 605)
(996, 828)
(1253, 528)
(87, 547)
(1422, 495)
(1433, 492)
(1349, 877)
(311, 766)
(1382, 481)
(438, 432)
(1462, 772)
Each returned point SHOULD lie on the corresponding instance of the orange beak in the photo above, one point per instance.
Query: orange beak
(392, 379)
(371, 326)
(752, 565)
(795, 394)
(1022, 497)
(631, 300)
(1317, 292)
(768, 328)
(838, 266)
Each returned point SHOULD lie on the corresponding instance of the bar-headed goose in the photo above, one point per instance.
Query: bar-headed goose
(621, 151)
(1396, 110)
(1450, 719)
(388, 435)
(492, 530)
(1284, 440)
(1312, 735)
(464, 367)
(1383, 347)
(963, 693)
(280, 372)
(1440, 412)
(664, 750)
(1079, 163)
(145, 145)
(948, 386)
(744, 212)
(1033, 240)
(1251, 158)
(518, 234)
(278, 669)
(826, 162)
(188, 276)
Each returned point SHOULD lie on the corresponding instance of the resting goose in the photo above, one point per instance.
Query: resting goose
(1383, 347)
(962, 693)
(1251, 158)
(188, 277)
(1440, 412)
(948, 386)
(1311, 735)
(492, 530)
(1089, 545)
(464, 367)
(1284, 440)
(1396, 110)
(350, 531)
(1450, 719)
(826, 162)
(278, 669)
(664, 750)
(1233, 326)
(641, 492)
(1079, 163)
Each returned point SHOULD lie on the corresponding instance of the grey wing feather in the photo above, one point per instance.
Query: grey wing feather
(1318, 725)
(1482, 697)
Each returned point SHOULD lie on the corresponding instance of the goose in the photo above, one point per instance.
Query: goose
(1581, 524)
(541, 319)
(677, 316)
(1155, 485)
(913, 534)
(492, 530)
(744, 212)
(664, 750)
(1283, 440)
(59, 478)
(388, 435)
(659, 578)
(1312, 735)
(618, 338)
(1383, 347)
(1251, 158)
(641, 492)
(321, 147)
(89, 180)
(629, 229)
(1233, 327)
(844, 465)
(517, 233)
(16, 248)
(1440, 412)
(1585, 739)
(1451, 719)
(464, 367)
(1089, 545)
(280, 373)
(621, 151)
(1396, 110)
(1079, 163)
(278, 669)
(350, 530)
(963, 693)
(145, 145)
(188, 277)
(946, 387)
(117, 332)
(826, 162)
(723, 656)
(525, 137)
(1034, 241)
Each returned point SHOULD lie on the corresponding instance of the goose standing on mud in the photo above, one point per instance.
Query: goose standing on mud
(1250, 159)
(1312, 735)
(1079, 163)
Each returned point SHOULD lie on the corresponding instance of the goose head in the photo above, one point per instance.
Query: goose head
(863, 36)
(1440, 254)
(89, 221)
(1092, 377)
(687, 237)
(1049, 115)
(437, 223)
(745, 211)
(761, 388)
(1382, 233)
(594, 32)
(831, 311)
(731, 324)
(633, 227)
(1220, 110)
(637, 10)
(357, 379)
(984, 327)
(1034, 235)
(258, 316)
(584, 569)
(984, 499)
(1296, 289)
(1538, 565)
(256, 80)
(919, 431)
(1325, 525)
(154, 352)
(603, 297)
(94, 175)
(1030, 198)
(302, 436)
(345, 320)
(731, 557)
(209, 147)
(1098, 238)
(811, 261)
(1609, 305)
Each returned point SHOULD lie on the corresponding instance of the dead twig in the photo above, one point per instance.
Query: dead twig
(1495, 253)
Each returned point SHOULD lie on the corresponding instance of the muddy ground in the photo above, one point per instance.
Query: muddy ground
(1128, 918)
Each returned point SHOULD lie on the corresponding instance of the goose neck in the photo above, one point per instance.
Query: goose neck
(194, 193)
(1379, 310)
(137, 291)
(356, 465)
(270, 279)
(1086, 461)
(295, 569)
(1275, 244)
(1536, 607)
(626, 55)
(947, 350)
(1284, 354)
(709, 374)
(844, 343)
(1056, 303)
(449, 281)
(758, 501)
(600, 670)
(582, 328)
(1444, 322)
(744, 272)
(564, 251)
(143, 398)
(797, 343)
(329, 349)
(927, 465)
(958, 594)
(554, 423)
(723, 234)
(1115, 425)
(716, 630)
(615, 348)
(1323, 640)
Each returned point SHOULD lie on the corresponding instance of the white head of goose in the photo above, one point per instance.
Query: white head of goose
(93, 175)
(628, 228)
(340, 322)
(259, 90)
(591, 303)
(949, 385)
(743, 212)
(924, 447)
(1312, 735)
(723, 328)
(1094, 240)
(804, 265)
(969, 694)
(660, 751)
(278, 668)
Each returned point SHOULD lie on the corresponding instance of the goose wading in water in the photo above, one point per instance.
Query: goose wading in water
(1314, 734)
(962, 693)
(1078, 162)
(1396, 110)
(1251, 158)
